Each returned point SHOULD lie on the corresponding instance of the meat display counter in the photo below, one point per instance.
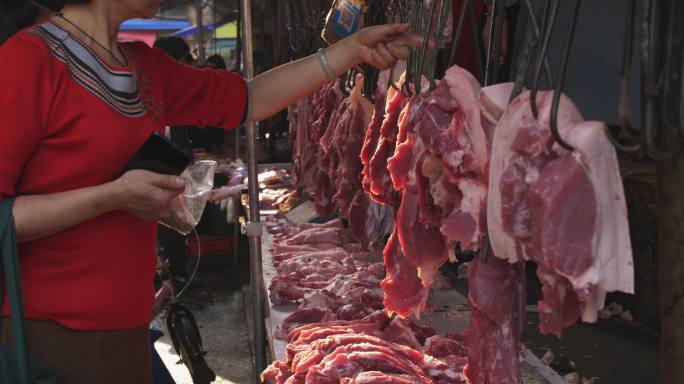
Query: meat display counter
(450, 315)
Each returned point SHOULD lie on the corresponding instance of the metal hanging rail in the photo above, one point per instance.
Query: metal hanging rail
(253, 226)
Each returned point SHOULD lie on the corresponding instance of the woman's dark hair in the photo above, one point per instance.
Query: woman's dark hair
(56, 5)
(7, 27)
(175, 47)
(16, 15)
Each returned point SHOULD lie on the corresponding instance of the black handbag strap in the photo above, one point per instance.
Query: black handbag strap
(9, 269)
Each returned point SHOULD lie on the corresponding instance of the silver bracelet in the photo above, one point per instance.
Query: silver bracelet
(326, 65)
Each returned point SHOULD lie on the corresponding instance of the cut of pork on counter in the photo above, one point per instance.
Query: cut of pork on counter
(372, 348)
(563, 210)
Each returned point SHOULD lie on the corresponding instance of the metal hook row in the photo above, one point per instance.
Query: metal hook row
(525, 60)
(548, 22)
(623, 103)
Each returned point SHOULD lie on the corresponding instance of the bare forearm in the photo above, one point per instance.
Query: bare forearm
(38, 216)
(274, 90)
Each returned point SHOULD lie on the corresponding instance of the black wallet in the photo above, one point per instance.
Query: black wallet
(160, 155)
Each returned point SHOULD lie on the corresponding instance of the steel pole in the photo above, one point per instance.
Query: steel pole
(200, 31)
(253, 184)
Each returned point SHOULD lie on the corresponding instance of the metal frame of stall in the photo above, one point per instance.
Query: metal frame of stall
(253, 228)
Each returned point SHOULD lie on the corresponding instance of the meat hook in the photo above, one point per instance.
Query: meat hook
(651, 26)
(623, 104)
(567, 47)
(407, 89)
(399, 13)
(484, 253)
(477, 39)
(444, 11)
(525, 59)
(523, 66)
(457, 36)
(424, 47)
(494, 43)
(536, 32)
(670, 122)
(549, 19)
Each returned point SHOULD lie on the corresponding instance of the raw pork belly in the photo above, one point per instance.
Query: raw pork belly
(564, 210)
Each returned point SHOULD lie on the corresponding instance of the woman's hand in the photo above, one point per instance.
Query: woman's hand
(382, 45)
(145, 194)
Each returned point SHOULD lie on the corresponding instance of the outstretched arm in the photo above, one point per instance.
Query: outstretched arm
(380, 46)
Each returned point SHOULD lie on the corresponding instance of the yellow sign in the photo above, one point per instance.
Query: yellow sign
(227, 31)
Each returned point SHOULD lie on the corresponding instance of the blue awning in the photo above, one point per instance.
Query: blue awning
(191, 30)
(154, 25)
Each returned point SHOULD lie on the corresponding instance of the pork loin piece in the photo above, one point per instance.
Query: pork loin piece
(497, 291)
(565, 211)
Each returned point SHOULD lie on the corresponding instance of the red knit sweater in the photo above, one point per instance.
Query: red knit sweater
(68, 121)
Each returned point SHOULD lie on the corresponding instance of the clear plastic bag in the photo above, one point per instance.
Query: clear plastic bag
(186, 209)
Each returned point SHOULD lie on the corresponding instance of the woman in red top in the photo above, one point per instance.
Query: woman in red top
(75, 106)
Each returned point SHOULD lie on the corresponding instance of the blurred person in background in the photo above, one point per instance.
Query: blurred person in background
(216, 62)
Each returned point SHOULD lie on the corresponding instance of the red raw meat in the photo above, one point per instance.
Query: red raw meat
(445, 345)
(320, 235)
(317, 350)
(336, 223)
(407, 332)
(310, 263)
(298, 118)
(357, 214)
(323, 186)
(362, 288)
(349, 361)
(284, 289)
(282, 252)
(276, 373)
(353, 312)
(497, 299)
(379, 146)
(301, 317)
(440, 166)
(373, 377)
(565, 211)
(404, 292)
(370, 142)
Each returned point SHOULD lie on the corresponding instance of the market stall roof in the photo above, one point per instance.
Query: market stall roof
(192, 29)
(155, 24)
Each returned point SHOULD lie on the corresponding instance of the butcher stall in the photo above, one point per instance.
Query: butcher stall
(439, 216)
